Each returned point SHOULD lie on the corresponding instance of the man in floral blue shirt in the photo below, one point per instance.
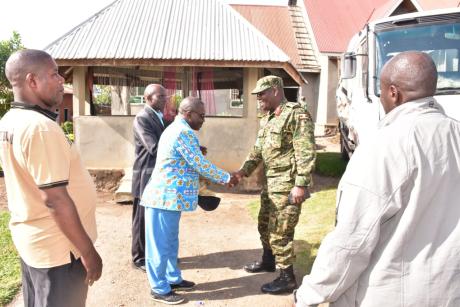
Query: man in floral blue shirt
(173, 188)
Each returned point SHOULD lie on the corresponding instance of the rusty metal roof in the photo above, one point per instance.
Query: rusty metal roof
(285, 27)
(334, 22)
(167, 29)
(438, 4)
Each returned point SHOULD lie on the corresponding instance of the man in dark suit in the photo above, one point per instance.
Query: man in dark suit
(148, 126)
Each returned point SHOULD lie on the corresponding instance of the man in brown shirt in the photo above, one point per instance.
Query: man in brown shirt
(50, 194)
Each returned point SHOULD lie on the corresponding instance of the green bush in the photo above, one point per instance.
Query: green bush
(4, 107)
(10, 270)
(67, 127)
(71, 137)
(330, 164)
(7, 47)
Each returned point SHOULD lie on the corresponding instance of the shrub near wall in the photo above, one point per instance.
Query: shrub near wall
(10, 271)
(330, 164)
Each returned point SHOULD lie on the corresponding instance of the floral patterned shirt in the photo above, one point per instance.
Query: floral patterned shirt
(174, 182)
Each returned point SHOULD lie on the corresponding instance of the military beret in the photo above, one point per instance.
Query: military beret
(208, 203)
(266, 83)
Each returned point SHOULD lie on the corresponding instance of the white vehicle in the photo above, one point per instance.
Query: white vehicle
(358, 95)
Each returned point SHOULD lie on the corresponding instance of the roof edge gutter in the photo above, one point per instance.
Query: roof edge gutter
(294, 74)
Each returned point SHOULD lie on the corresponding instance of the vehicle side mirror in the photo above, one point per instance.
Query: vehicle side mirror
(348, 65)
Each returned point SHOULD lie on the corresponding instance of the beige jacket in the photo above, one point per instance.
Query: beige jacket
(397, 240)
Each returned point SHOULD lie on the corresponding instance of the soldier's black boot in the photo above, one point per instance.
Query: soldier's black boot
(284, 284)
(266, 265)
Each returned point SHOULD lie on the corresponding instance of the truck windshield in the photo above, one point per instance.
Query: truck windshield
(440, 41)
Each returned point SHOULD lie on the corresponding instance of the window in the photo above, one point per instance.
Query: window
(220, 88)
(236, 99)
(441, 41)
(137, 94)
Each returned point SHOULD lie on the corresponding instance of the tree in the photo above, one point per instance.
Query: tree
(102, 94)
(7, 47)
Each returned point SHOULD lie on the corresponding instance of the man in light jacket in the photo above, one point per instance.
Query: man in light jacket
(397, 237)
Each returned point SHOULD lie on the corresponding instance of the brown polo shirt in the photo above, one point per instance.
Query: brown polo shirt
(35, 154)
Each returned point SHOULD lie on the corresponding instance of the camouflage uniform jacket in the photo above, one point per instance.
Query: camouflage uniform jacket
(285, 144)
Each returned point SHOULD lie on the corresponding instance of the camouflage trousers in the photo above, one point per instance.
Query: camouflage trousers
(276, 223)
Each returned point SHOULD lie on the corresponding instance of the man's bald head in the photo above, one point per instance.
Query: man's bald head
(192, 110)
(408, 76)
(151, 89)
(23, 62)
(155, 96)
(190, 104)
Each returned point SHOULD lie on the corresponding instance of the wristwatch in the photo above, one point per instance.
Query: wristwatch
(295, 296)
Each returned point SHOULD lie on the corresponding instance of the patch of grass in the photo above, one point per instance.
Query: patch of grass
(10, 270)
(316, 220)
(330, 164)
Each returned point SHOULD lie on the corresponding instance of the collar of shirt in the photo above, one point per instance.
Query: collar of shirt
(427, 104)
(159, 114)
(20, 105)
(182, 122)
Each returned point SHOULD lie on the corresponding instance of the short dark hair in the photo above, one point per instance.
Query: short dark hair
(25, 61)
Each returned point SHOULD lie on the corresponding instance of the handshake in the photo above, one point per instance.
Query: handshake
(235, 178)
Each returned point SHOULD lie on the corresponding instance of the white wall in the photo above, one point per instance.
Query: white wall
(310, 92)
(105, 142)
(326, 113)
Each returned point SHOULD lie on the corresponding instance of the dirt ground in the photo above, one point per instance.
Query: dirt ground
(214, 246)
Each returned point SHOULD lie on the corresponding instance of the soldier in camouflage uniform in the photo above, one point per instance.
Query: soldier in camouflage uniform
(286, 147)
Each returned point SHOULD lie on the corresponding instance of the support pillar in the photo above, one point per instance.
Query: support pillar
(81, 99)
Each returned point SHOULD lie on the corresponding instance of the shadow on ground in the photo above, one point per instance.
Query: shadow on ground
(244, 285)
(248, 284)
(231, 288)
(235, 259)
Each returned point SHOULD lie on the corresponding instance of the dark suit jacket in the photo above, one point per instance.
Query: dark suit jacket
(147, 131)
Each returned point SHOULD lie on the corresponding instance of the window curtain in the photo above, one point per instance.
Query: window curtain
(207, 90)
(170, 109)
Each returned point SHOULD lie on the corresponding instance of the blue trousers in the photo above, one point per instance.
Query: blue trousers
(161, 248)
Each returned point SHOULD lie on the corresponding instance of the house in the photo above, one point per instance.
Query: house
(316, 33)
(285, 26)
(199, 47)
(65, 109)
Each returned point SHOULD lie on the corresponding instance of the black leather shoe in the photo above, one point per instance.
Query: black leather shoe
(266, 265)
(285, 283)
(139, 265)
(183, 285)
(170, 298)
(257, 266)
